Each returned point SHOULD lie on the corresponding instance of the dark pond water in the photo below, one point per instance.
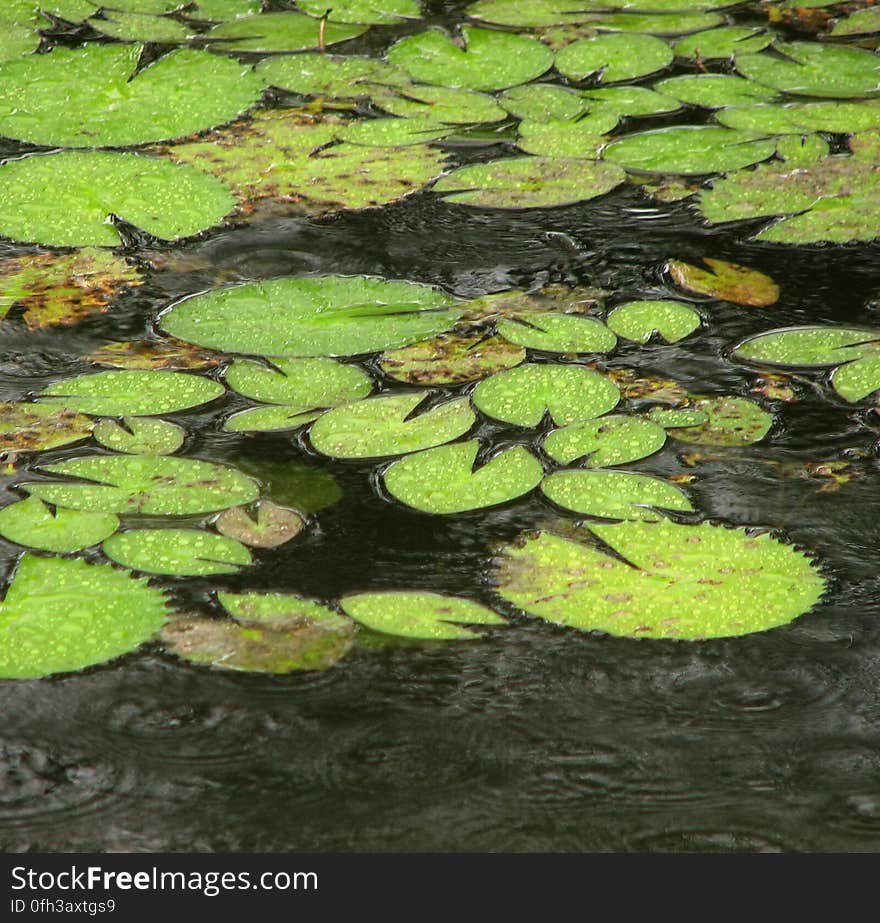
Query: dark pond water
(535, 738)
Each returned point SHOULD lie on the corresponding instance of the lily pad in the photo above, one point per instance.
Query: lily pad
(368, 12)
(274, 525)
(542, 102)
(486, 60)
(427, 616)
(582, 138)
(614, 494)
(856, 380)
(529, 182)
(177, 552)
(722, 42)
(394, 132)
(810, 69)
(267, 32)
(33, 524)
(557, 12)
(137, 436)
(797, 118)
(300, 384)
(132, 393)
(94, 96)
(726, 281)
(675, 581)
(79, 10)
(384, 425)
(614, 57)
(558, 333)
(312, 316)
(525, 395)
(222, 10)
(28, 427)
(275, 418)
(714, 91)
(62, 289)
(336, 76)
(450, 359)
(640, 320)
(689, 149)
(631, 100)
(161, 355)
(445, 479)
(166, 200)
(62, 614)
(859, 22)
(671, 23)
(151, 484)
(608, 441)
(442, 105)
(141, 27)
(731, 421)
(676, 417)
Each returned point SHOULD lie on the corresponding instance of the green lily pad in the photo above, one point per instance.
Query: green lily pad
(525, 395)
(614, 57)
(689, 149)
(62, 614)
(856, 380)
(33, 524)
(444, 480)
(450, 359)
(394, 132)
(656, 23)
(141, 27)
(80, 10)
(164, 199)
(442, 105)
(726, 281)
(614, 494)
(273, 419)
(300, 384)
(336, 76)
(731, 421)
(312, 316)
(608, 441)
(28, 427)
(529, 182)
(640, 320)
(137, 436)
(384, 425)
(221, 10)
(676, 418)
(714, 91)
(275, 525)
(558, 12)
(558, 333)
(267, 32)
(542, 102)
(268, 633)
(629, 100)
(809, 69)
(675, 581)
(135, 393)
(368, 12)
(152, 484)
(177, 552)
(796, 118)
(63, 289)
(94, 96)
(582, 138)
(488, 60)
(722, 42)
(293, 484)
(428, 616)
(859, 22)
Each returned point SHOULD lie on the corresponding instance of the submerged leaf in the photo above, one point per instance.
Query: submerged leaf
(726, 281)
(450, 359)
(614, 494)
(166, 354)
(274, 525)
(33, 524)
(176, 552)
(292, 484)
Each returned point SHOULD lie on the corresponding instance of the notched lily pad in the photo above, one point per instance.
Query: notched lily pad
(141, 27)
(330, 75)
(274, 525)
(582, 138)
(722, 42)
(28, 427)
(675, 581)
(614, 57)
(731, 421)
(177, 552)
(541, 102)
(640, 320)
(160, 355)
(138, 436)
(300, 384)
(558, 333)
(726, 281)
(450, 359)
(614, 494)
(366, 12)
(428, 616)
(33, 524)
(290, 31)
(608, 441)
(714, 91)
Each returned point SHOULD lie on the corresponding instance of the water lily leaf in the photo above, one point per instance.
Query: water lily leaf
(581, 138)
(62, 614)
(302, 487)
(722, 42)
(450, 359)
(177, 552)
(61, 289)
(795, 118)
(638, 386)
(368, 12)
(429, 616)
(141, 27)
(614, 494)
(856, 380)
(810, 69)
(714, 91)
(34, 427)
(33, 524)
(221, 10)
(384, 425)
(79, 10)
(443, 105)
(487, 61)
(167, 354)
(614, 57)
(268, 633)
(631, 100)
(444, 480)
(859, 22)
(132, 393)
(137, 436)
(337, 76)
(731, 421)
(273, 526)
(18, 35)
(267, 32)
(301, 384)
(802, 151)
(640, 320)
(273, 419)
(657, 23)
(529, 182)
(312, 316)
(164, 199)
(542, 102)
(94, 97)
(558, 12)
(689, 149)
(277, 154)
(726, 281)
(523, 396)
(151, 484)
(676, 581)
(608, 441)
(559, 333)
(394, 132)
(676, 418)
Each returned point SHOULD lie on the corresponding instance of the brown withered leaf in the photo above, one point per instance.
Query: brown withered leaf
(273, 526)
(167, 353)
(726, 281)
